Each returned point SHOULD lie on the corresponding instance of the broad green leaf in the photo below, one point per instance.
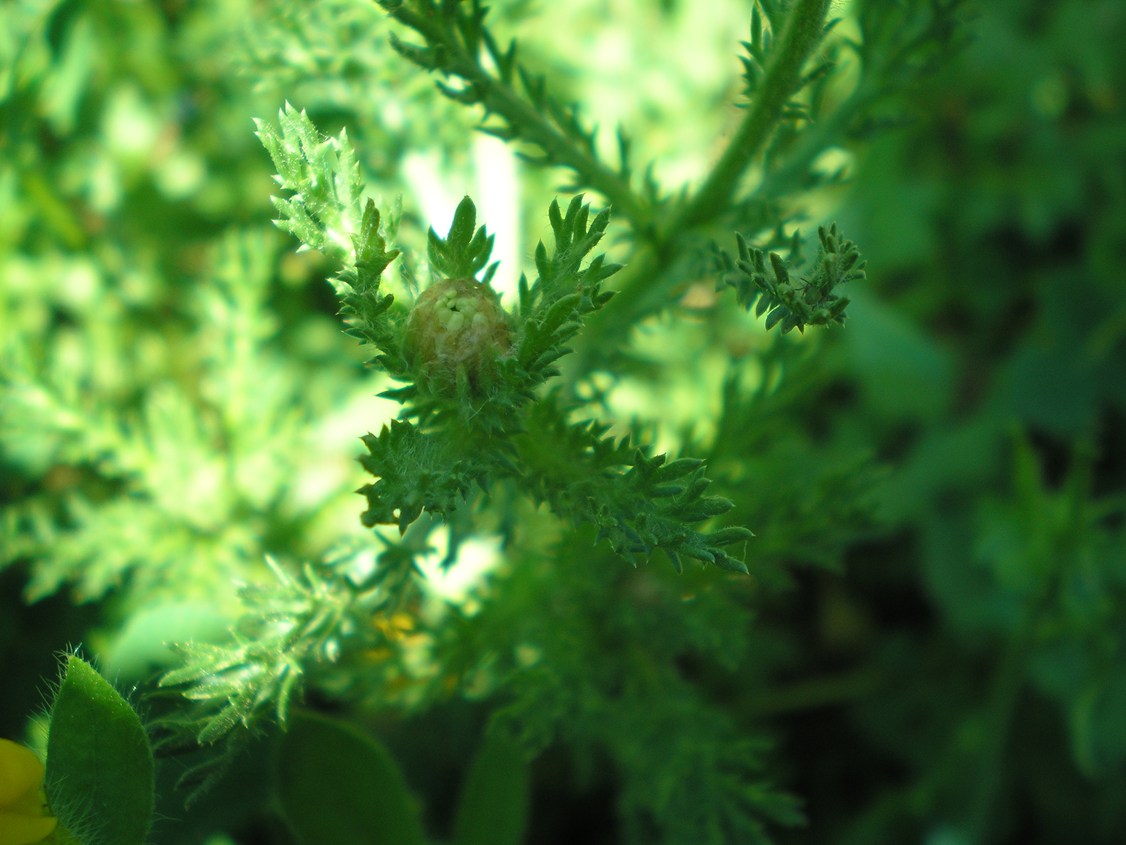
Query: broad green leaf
(493, 809)
(339, 786)
(99, 779)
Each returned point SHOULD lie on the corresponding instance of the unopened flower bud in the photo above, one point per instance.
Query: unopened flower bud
(456, 325)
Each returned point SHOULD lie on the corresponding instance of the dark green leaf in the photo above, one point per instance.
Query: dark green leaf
(339, 786)
(99, 780)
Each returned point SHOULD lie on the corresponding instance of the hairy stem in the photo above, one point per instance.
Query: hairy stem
(645, 283)
(499, 97)
(800, 36)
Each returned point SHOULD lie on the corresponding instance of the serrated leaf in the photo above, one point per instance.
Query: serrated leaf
(464, 251)
(679, 468)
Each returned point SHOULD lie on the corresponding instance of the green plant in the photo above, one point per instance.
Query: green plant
(480, 416)
(605, 413)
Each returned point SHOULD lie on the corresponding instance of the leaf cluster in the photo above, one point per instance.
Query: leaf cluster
(289, 626)
(633, 722)
(317, 625)
(323, 176)
(447, 446)
(639, 504)
(763, 281)
(169, 486)
(550, 313)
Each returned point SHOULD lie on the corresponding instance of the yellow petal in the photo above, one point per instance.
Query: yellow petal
(24, 830)
(28, 804)
(20, 772)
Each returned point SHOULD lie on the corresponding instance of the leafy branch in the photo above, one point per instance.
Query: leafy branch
(312, 626)
(778, 52)
(467, 441)
(899, 44)
(779, 77)
(639, 504)
(323, 176)
(288, 625)
(324, 210)
(455, 42)
(762, 280)
(461, 434)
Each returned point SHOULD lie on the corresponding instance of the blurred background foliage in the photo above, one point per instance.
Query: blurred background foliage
(942, 482)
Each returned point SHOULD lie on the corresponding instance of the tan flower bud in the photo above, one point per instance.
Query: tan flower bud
(456, 325)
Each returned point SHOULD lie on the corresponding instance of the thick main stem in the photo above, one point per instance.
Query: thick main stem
(649, 281)
(531, 124)
(802, 33)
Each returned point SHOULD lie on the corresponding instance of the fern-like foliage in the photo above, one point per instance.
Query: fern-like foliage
(323, 207)
(518, 105)
(290, 625)
(772, 286)
(553, 308)
(319, 624)
(639, 504)
(363, 306)
(419, 471)
(168, 488)
(323, 176)
(450, 442)
(172, 479)
(465, 250)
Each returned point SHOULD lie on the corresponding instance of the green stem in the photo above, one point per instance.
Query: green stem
(1000, 709)
(531, 123)
(800, 36)
(537, 129)
(645, 284)
(814, 141)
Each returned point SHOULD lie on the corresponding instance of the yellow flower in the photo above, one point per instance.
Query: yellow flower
(22, 820)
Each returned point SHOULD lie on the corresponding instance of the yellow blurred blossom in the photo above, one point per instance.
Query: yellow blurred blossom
(22, 820)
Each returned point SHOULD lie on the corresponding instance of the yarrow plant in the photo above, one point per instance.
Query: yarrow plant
(472, 372)
(625, 566)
